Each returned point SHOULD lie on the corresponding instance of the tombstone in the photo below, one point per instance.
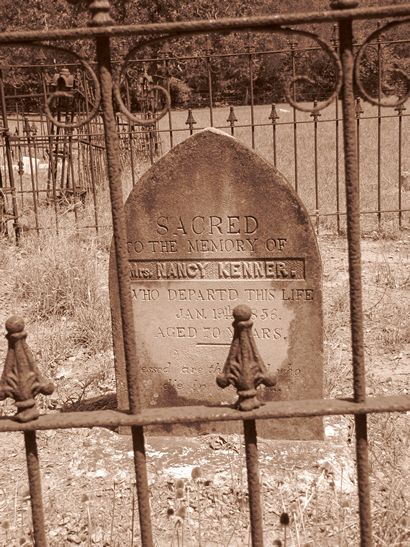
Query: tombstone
(210, 226)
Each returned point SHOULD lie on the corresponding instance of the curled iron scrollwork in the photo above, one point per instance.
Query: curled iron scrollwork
(377, 101)
(51, 96)
(289, 85)
(292, 81)
(150, 88)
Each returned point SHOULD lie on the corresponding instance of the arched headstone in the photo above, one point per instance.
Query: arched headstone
(210, 226)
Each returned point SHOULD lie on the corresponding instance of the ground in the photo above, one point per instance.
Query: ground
(198, 485)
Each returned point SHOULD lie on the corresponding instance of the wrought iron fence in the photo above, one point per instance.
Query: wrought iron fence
(52, 167)
(21, 379)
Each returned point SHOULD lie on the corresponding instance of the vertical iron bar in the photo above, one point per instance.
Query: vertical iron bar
(71, 173)
(379, 128)
(33, 184)
(130, 134)
(34, 480)
(171, 134)
(89, 129)
(273, 116)
(337, 167)
(6, 134)
(359, 111)
(336, 48)
(254, 489)
(20, 160)
(399, 110)
(250, 64)
(34, 141)
(53, 167)
(120, 246)
(354, 251)
(315, 116)
(208, 66)
(295, 136)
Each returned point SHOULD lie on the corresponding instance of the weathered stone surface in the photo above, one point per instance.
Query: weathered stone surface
(210, 226)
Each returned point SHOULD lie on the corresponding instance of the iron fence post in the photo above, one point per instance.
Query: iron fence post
(354, 252)
(379, 127)
(399, 111)
(100, 16)
(295, 127)
(210, 85)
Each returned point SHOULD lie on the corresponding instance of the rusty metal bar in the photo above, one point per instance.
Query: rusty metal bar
(354, 251)
(22, 381)
(120, 247)
(34, 480)
(254, 488)
(273, 116)
(337, 146)
(130, 134)
(315, 115)
(379, 126)
(251, 95)
(171, 136)
(179, 27)
(359, 112)
(335, 43)
(295, 128)
(6, 136)
(400, 204)
(210, 90)
(92, 159)
(173, 415)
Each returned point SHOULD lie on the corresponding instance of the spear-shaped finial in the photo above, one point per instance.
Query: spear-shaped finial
(21, 379)
(244, 368)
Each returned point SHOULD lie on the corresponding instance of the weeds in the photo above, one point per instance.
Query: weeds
(57, 276)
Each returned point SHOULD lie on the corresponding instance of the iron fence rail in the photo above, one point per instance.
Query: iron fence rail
(102, 31)
(176, 415)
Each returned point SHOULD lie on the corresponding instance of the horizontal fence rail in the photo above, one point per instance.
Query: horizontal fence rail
(178, 415)
(21, 378)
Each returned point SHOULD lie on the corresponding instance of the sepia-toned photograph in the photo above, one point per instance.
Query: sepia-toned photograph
(205, 273)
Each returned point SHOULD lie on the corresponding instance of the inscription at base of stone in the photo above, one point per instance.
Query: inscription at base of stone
(210, 226)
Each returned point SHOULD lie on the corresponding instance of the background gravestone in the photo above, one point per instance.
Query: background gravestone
(210, 226)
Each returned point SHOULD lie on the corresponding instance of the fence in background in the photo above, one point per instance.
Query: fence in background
(49, 172)
(22, 381)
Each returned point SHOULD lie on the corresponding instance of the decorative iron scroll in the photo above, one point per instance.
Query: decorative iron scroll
(52, 96)
(359, 57)
(290, 84)
(155, 116)
(244, 368)
(21, 379)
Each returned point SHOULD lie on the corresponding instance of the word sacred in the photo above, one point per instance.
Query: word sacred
(291, 268)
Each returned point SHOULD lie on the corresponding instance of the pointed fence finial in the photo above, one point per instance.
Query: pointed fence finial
(232, 119)
(21, 379)
(244, 368)
(358, 107)
(190, 121)
(100, 13)
(315, 114)
(273, 116)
